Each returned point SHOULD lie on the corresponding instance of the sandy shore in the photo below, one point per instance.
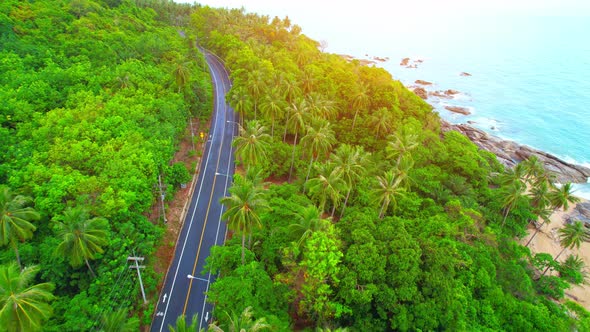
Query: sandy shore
(548, 241)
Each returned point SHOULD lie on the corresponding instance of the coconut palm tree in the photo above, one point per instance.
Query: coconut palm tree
(381, 121)
(256, 86)
(23, 307)
(252, 144)
(181, 325)
(360, 101)
(244, 323)
(317, 141)
(239, 99)
(272, 107)
(182, 74)
(244, 206)
(511, 194)
(82, 237)
(306, 222)
(326, 186)
(321, 107)
(119, 321)
(400, 145)
(388, 191)
(350, 162)
(571, 236)
(298, 113)
(562, 196)
(534, 170)
(15, 220)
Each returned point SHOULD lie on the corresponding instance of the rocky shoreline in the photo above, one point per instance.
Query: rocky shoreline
(509, 153)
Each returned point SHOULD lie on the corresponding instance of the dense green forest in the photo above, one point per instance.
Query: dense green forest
(352, 211)
(375, 220)
(95, 96)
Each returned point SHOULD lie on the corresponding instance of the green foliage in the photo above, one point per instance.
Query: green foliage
(423, 241)
(23, 307)
(178, 174)
(94, 104)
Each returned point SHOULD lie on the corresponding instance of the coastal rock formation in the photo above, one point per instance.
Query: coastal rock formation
(465, 74)
(581, 212)
(458, 109)
(420, 92)
(510, 153)
(422, 82)
(451, 92)
(404, 62)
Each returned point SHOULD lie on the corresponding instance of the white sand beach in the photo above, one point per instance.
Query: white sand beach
(548, 241)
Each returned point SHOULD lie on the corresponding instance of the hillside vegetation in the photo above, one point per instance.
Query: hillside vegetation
(95, 96)
(376, 220)
(372, 219)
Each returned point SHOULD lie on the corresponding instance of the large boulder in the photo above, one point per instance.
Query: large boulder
(422, 82)
(420, 92)
(404, 62)
(458, 109)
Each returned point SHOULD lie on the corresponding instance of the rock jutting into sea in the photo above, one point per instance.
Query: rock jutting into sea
(422, 82)
(465, 74)
(509, 153)
(419, 91)
(458, 109)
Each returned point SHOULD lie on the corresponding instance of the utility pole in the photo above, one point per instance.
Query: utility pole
(162, 195)
(138, 267)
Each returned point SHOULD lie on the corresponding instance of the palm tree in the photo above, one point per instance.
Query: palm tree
(119, 321)
(297, 117)
(244, 323)
(571, 236)
(272, 107)
(381, 121)
(256, 86)
(252, 144)
(360, 101)
(512, 193)
(544, 214)
(82, 238)
(534, 170)
(182, 74)
(562, 196)
(400, 145)
(321, 107)
(23, 307)
(388, 191)
(15, 220)
(510, 175)
(318, 140)
(350, 162)
(244, 205)
(239, 100)
(307, 221)
(181, 326)
(326, 186)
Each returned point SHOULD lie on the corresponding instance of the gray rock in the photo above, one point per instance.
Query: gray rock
(510, 153)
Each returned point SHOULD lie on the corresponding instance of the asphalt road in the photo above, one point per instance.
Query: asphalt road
(187, 281)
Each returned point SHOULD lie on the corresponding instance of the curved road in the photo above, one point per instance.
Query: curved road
(187, 281)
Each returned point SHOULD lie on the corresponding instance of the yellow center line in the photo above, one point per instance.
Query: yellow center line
(190, 285)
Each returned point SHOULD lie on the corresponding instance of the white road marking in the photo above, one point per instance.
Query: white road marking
(192, 217)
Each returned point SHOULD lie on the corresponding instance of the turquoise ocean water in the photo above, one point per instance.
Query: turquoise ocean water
(530, 74)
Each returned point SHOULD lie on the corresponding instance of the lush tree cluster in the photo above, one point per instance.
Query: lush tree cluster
(95, 97)
(382, 221)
